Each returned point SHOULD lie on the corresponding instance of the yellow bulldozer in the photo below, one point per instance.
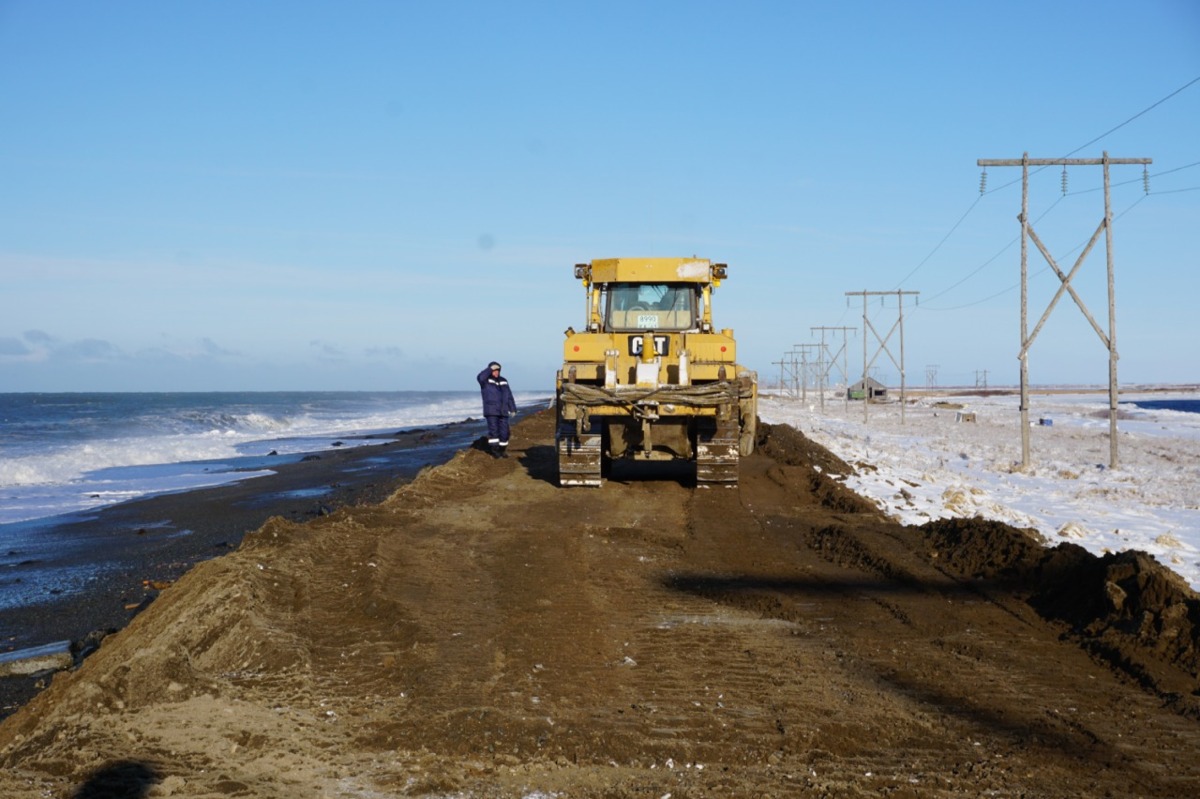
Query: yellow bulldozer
(650, 378)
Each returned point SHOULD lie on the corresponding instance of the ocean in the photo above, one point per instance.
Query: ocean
(65, 453)
(64, 458)
(1183, 405)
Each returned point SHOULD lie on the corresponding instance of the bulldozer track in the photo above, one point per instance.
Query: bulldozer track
(580, 455)
(717, 453)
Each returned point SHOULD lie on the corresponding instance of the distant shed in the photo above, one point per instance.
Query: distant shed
(869, 388)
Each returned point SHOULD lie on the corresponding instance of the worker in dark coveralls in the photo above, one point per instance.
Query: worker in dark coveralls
(498, 405)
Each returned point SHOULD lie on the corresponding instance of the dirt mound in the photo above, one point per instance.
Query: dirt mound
(1124, 607)
(982, 549)
(789, 447)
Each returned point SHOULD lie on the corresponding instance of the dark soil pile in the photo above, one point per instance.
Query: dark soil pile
(817, 465)
(1125, 607)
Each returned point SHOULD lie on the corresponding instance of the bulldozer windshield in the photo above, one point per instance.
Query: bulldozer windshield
(651, 306)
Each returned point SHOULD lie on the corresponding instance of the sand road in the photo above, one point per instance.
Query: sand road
(483, 633)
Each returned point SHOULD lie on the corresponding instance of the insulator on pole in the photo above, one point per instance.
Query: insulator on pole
(983, 181)
(1145, 179)
(1064, 180)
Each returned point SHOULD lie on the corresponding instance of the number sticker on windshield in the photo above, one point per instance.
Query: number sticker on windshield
(649, 320)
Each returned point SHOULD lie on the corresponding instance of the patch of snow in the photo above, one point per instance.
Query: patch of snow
(934, 466)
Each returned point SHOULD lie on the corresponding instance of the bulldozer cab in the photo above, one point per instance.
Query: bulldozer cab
(651, 306)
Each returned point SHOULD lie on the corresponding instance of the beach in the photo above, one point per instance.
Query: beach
(481, 632)
(149, 543)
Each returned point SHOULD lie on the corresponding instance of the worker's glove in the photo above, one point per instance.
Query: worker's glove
(512, 413)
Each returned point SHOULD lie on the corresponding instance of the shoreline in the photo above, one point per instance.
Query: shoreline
(152, 541)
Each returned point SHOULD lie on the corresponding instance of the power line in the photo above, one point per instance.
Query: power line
(1169, 171)
(1146, 179)
(982, 193)
(1177, 191)
(1077, 149)
(940, 243)
(988, 262)
(1016, 286)
(1106, 133)
(1135, 116)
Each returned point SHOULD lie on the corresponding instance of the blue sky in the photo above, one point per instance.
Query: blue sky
(387, 195)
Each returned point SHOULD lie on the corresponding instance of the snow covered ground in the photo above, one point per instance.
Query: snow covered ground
(936, 466)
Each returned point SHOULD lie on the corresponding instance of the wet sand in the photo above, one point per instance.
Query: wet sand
(151, 542)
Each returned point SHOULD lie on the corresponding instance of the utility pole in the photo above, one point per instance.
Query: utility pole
(883, 340)
(781, 384)
(832, 361)
(822, 370)
(795, 362)
(801, 372)
(788, 377)
(981, 378)
(931, 375)
(804, 370)
(1109, 339)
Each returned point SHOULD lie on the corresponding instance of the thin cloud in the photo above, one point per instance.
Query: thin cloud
(13, 348)
(36, 346)
(389, 353)
(89, 350)
(215, 350)
(326, 351)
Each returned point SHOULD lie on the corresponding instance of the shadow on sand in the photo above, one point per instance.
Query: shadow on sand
(125, 779)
